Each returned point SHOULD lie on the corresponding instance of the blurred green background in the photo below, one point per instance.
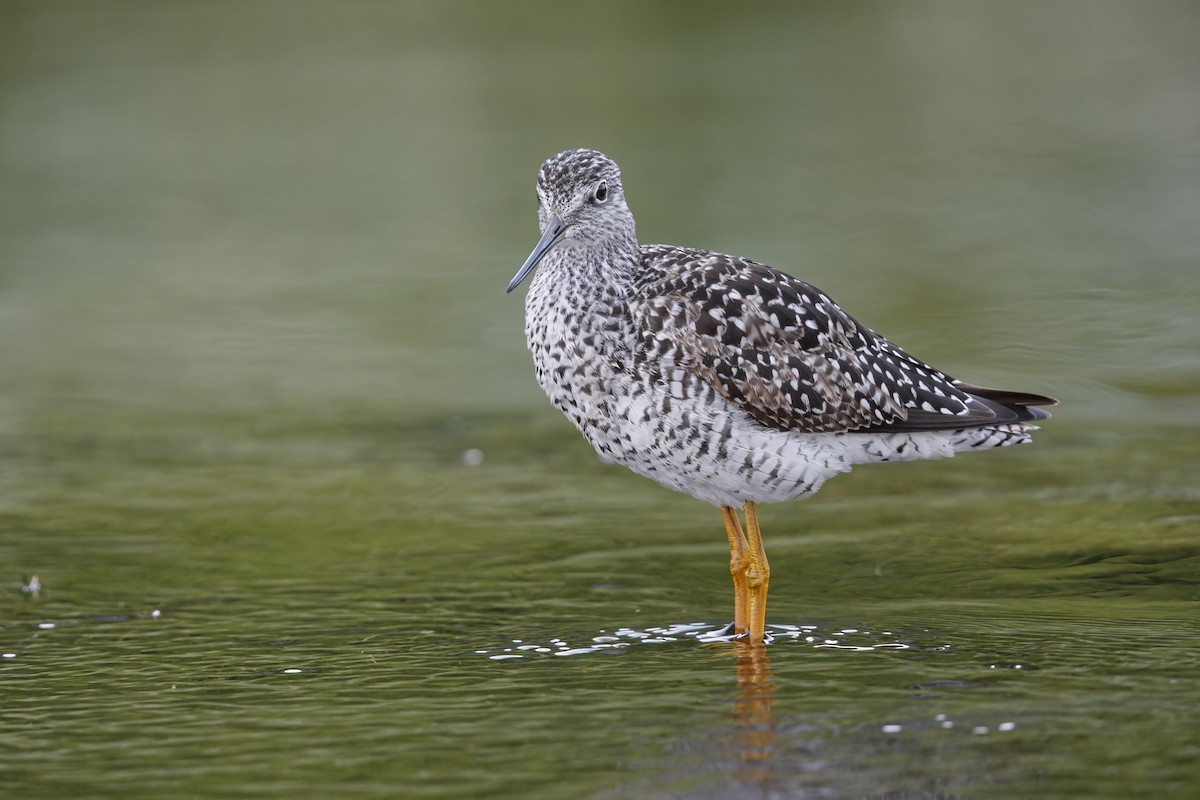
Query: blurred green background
(256, 343)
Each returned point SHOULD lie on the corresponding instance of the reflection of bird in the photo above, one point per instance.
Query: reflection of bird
(724, 378)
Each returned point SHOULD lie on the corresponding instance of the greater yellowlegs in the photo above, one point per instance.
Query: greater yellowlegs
(724, 378)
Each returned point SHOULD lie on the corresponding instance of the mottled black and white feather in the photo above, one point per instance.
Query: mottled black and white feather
(790, 357)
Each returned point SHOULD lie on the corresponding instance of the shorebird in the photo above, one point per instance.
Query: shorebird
(724, 378)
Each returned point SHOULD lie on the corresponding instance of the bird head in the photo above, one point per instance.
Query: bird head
(581, 203)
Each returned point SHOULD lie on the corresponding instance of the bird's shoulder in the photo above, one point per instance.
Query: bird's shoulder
(740, 300)
(783, 350)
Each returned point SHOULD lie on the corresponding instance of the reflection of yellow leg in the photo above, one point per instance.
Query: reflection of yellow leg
(752, 712)
(758, 574)
(738, 562)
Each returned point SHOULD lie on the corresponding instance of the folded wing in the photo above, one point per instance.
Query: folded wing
(786, 354)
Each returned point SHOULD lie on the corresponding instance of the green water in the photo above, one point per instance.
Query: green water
(256, 344)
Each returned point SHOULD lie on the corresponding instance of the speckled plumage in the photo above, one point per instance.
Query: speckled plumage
(718, 376)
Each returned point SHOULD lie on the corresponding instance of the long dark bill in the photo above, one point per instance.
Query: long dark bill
(552, 236)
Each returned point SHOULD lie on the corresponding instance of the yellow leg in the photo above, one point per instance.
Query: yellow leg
(757, 574)
(738, 562)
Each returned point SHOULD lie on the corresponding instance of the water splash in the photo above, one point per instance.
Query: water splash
(605, 640)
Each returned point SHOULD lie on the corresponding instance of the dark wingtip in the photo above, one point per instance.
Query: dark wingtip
(1024, 404)
(1031, 413)
(1009, 398)
(1005, 408)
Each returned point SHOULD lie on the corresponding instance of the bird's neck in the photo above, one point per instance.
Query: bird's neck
(600, 270)
(583, 292)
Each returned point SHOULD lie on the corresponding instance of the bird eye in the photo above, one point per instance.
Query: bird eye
(601, 192)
